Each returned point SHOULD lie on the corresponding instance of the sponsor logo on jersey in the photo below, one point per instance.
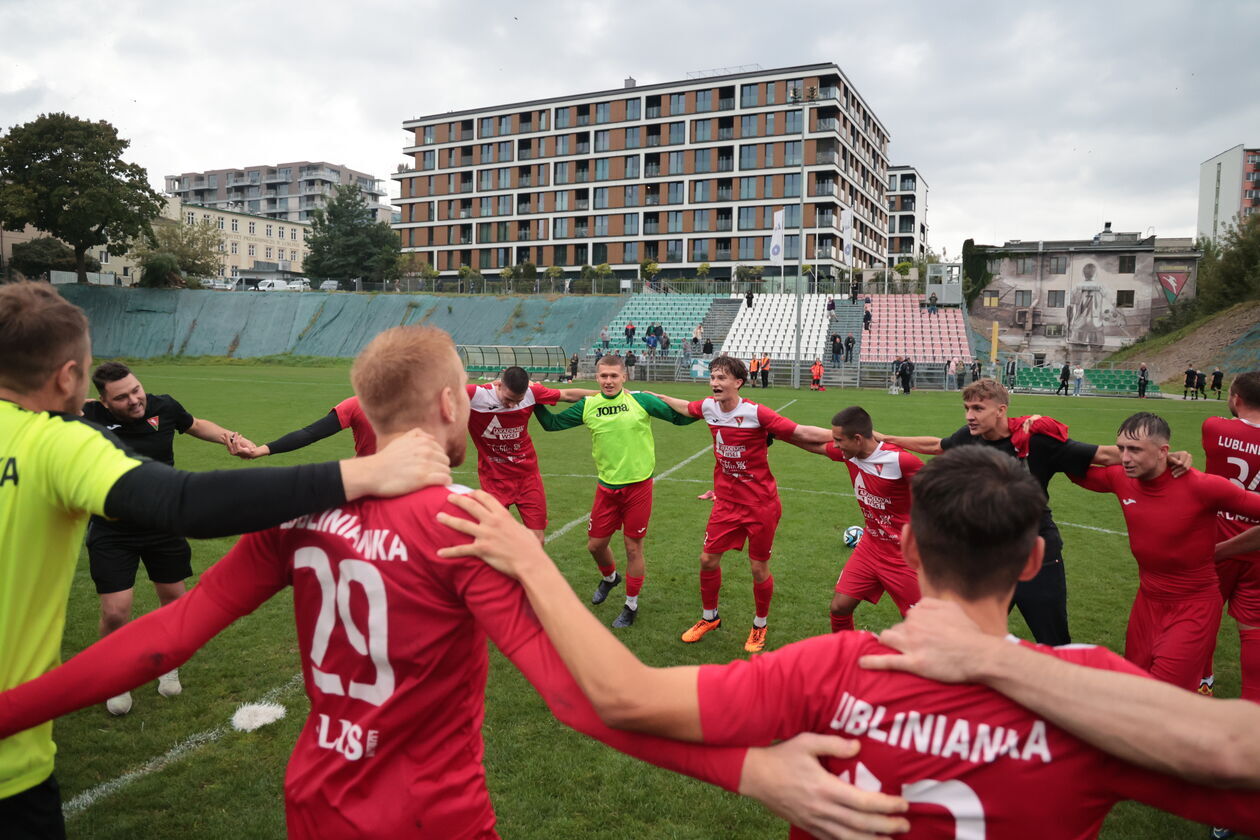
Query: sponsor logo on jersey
(497, 431)
(1129, 501)
(9, 472)
(349, 740)
(725, 450)
(609, 410)
(867, 498)
(153, 421)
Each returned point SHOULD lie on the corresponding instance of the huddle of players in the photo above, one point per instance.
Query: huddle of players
(962, 744)
(1195, 384)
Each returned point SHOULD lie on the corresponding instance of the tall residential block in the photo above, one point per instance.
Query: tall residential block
(681, 173)
(907, 215)
(286, 191)
(1229, 190)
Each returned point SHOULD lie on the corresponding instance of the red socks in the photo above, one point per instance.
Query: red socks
(608, 570)
(841, 622)
(1249, 654)
(633, 585)
(762, 593)
(710, 585)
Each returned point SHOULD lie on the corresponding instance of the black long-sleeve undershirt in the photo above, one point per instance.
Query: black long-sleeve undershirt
(224, 502)
(326, 426)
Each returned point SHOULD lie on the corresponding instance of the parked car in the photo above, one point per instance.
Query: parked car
(272, 286)
(301, 284)
(329, 286)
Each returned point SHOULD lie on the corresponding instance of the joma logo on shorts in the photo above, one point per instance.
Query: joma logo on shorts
(609, 410)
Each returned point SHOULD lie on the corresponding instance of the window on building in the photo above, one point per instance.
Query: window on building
(1023, 297)
(268, 233)
(236, 225)
(603, 112)
(633, 109)
(601, 198)
(748, 218)
(793, 119)
(700, 220)
(704, 160)
(989, 298)
(748, 125)
(748, 156)
(601, 225)
(505, 125)
(560, 228)
(677, 192)
(701, 131)
(677, 132)
(601, 141)
(487, 126)
(562, 173)
(748, 96)
(704, 100)
(769, 161)
(792, 185)
(703, 191)
(632, 166)
(1054, 331)
(631, 253)
(1025, 265)
(1128, 264)
(1055, 298)
(601, 169)
(792, 153)
(280, 231)
(234, 247)
(634, 138)
(678, 103)
(293, 234)
(1124, 299)
(252, 230)
(675, 163)
(191, 218)
(631, 223)
(631, 198)
(1057, 264)
(674, 221)
(748, 247)
(292, 255)
(428, 134)
(747, 187)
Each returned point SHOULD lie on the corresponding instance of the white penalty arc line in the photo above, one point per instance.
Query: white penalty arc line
(665, 476)
(191, 744)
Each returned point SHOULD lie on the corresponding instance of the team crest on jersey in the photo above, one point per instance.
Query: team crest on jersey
(153, 421)
(739, 421)
(879, 469)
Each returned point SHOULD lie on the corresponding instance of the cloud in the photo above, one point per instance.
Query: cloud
(1028, 122)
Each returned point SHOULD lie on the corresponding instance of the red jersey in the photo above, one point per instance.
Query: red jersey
(971, 762)
(392, 640)
(881, 483)
(1232, 447)
(741, 469)
(351, 417)
(505, 451)
(1172, 525)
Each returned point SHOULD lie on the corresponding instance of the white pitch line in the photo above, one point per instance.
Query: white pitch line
(191, 744)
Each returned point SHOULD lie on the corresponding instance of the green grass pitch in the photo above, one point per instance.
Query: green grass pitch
(546, 781)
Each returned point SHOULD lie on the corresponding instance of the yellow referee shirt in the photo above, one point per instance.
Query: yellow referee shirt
(54, 471)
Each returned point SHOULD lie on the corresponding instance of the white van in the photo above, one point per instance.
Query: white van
(300, 285)
(272, 286)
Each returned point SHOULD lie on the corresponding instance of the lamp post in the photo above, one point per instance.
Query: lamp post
(799, 96)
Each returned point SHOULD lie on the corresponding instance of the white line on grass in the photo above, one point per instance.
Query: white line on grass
(191, 744)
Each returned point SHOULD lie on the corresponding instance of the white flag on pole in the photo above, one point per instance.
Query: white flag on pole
(776, 239)
(846, 231)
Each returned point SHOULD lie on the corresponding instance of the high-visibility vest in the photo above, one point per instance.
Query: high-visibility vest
(765, 363)
(753, 365)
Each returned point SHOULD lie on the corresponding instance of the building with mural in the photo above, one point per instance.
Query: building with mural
(1082, 299)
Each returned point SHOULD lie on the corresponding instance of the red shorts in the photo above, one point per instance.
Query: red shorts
(526, 493)
(731, 525)
(627, 509)
(1240, 586)
(875, 568)
(1172, 639)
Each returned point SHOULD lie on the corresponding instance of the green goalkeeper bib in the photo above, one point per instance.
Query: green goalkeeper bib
(621, 438)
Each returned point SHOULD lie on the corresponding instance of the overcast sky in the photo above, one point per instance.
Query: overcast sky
(1028, 121)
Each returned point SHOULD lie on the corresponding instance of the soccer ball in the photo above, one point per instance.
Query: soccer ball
(852, 535)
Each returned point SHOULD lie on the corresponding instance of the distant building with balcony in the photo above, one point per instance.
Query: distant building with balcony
(285, 192)
(1229, 190)
(1083, 298)
(680, 173)
(907, 215)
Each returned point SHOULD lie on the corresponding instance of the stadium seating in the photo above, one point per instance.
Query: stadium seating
(900, 326)
(769, 326)
(1097, 381)
(678, 314)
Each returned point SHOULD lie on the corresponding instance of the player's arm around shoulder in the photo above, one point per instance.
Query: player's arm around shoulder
(625, 693)
(570, 418)
(572, 395)
(661, 410)
(923, 444)
(679, 406)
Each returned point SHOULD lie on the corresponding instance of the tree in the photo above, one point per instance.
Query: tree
(45, 254)
(347, 242)
(197, 249)
(527, 273)
(507, 273)
(553, 274)
(702, 271)
(467, 277)
(903, 268)
(66, 176)
(429, 275)
(603, 272)
(648, 269)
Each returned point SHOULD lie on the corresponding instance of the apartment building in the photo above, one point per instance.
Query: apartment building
(1229, 190)
(907, 215)
(285, 192)
(1085, 297)
(680, 173)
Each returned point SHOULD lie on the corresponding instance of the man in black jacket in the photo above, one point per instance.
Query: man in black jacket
(1065, 374)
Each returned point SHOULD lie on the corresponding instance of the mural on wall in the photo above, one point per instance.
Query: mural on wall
(1172, 282)
(1092, 314)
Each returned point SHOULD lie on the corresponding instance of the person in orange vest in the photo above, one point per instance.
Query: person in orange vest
(764, 367)
(816, 374)
(753, 366)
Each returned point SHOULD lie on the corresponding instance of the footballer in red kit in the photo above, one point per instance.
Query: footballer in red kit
(1172, 533)
(351, 415)
(970, 762)
(747, 508)
(1232, 446)
(507, 465)
(880, 473)
(346, 414)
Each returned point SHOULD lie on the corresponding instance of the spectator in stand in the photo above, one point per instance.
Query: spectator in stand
(697, 336)
(650, 341)
(975, 370)
(831, 304)
(1200, 383)
(1012, 370)
(1078, 379)
(573, 367)
(748, 298)
(837, 350)
(708, 347)
(664, 343)
(931, 304)
(599, 354)
(951, 370)
(816, 375)
(1144, 379)
(866, 320)
(904, 371)
(1218, 379)
(603, 337)
(629, 334)
(961, 374)
(630, 362)
(855, 289)
(849, 342)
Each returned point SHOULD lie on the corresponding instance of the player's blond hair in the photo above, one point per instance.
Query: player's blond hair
(987, 389)
(400, 374)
